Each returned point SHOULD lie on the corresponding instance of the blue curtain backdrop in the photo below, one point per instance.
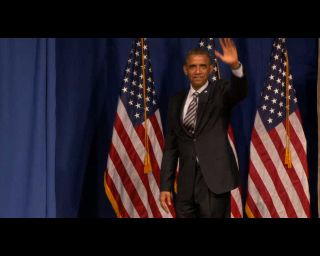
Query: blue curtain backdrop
(52, 160)
(27, 128)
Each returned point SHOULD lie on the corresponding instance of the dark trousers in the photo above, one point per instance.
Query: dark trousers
(203, 203)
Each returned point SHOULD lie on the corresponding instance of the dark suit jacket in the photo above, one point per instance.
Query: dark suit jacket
(209, 142)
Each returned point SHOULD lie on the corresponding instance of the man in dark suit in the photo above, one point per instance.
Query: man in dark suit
(198, 120)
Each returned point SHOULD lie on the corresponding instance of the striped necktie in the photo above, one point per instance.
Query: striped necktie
(191, 116)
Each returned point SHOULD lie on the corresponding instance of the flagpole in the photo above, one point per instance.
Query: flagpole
(287, 159)
(147, 164)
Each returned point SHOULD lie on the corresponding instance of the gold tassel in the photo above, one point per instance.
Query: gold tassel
(147, 164)
(287, 159)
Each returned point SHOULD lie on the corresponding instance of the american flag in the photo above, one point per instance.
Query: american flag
(236, 201)
(132, 189)
(278, 171)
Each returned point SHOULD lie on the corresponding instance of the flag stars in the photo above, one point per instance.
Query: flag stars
(126, 79)
(270, 120)
(271, 111)
(279, 114)
(281, 104)
(274, 67)
(264, 107)
(266, 97)
(276, 57)
(276, 91)
(269, 87)
(139, 96)
(138, 105)
(125, 89)
(274, 101)
(271, 77)
(137, 115)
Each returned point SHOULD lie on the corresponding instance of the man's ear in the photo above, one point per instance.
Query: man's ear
(185, 70)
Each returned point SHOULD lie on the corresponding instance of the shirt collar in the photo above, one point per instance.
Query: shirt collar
(192, 90)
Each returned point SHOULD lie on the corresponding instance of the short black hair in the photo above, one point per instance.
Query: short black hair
(198, 51)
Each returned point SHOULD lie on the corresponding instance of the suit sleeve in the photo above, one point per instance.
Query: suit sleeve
(170, 155)
(237, 90)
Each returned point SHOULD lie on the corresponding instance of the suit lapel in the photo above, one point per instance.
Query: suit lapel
(203, 113)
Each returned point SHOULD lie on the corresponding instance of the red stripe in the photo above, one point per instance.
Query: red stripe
(263, 192)
(273, 173)
(127, 183)
(157, 130)
(292, 172)
(234, 209)
(138, 164)
(253, 208)
(116, 196)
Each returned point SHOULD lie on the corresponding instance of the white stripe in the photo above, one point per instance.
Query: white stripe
(235, 194)
(158, 117)
(233, 149)
(296, 124)
(278, 164)
(296, 163)
(131, 171)
(126, 201)
(257, 199)
(156, 193)
(154, 144)
(267, 181)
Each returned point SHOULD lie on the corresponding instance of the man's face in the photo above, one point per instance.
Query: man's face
(198, 69)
